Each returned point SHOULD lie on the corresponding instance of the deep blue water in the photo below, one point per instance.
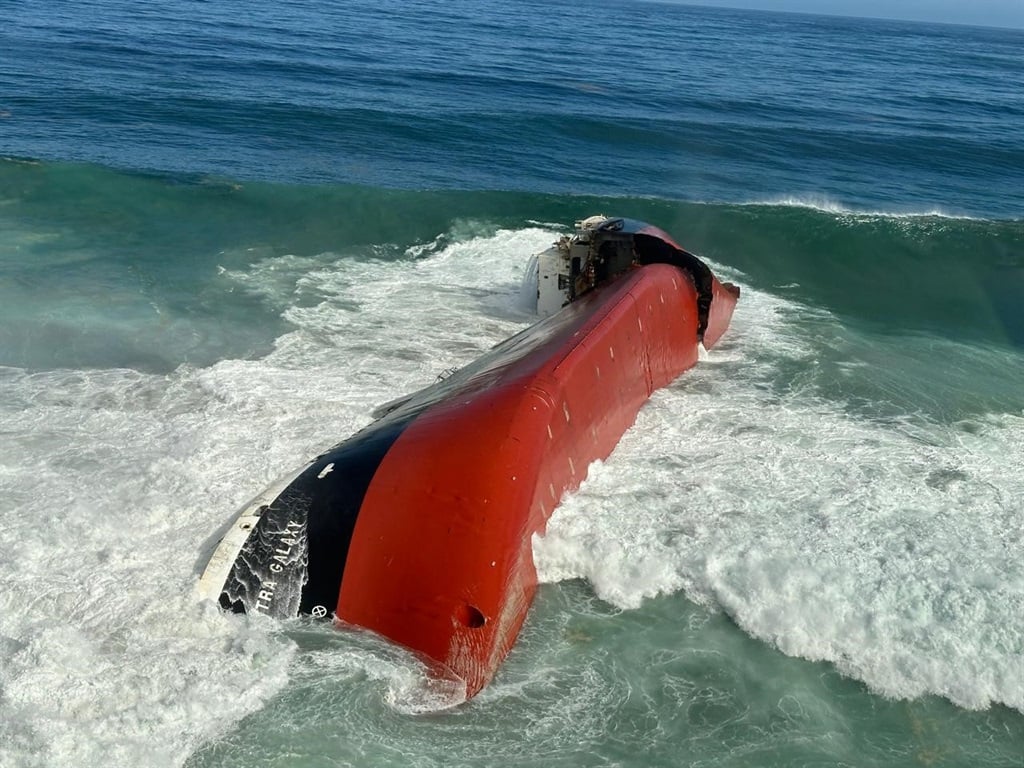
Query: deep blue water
(638, 98)
(228, 232)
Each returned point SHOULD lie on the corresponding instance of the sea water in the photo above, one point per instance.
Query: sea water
(226, 237)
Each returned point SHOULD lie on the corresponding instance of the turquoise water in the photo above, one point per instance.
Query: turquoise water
(225, 238)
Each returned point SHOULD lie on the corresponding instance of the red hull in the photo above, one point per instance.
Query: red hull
(441, 557)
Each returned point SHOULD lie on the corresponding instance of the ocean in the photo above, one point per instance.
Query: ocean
(229, 231)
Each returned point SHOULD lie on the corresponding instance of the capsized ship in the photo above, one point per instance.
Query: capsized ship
(419, 527)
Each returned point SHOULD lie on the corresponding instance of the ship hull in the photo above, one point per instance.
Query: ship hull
(420, 527)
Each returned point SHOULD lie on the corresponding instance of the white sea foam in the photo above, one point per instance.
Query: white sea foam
(828, 205)
(113, 481)
(109, 480)
(891, 548)
(888, 547)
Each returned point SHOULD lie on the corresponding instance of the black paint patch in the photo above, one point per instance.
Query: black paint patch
(295, 558)
(335, 500)
(654, 250)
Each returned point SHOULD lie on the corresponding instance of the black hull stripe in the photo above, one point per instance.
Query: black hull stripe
(294, 560)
